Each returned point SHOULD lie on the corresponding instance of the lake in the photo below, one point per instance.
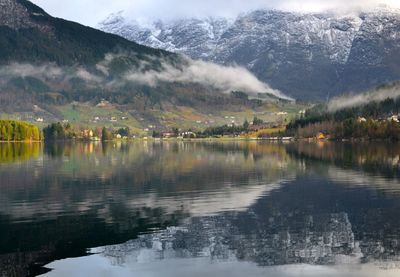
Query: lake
(200, 209)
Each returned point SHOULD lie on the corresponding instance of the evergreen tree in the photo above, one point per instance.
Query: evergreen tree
(257, 121)
(246, 125)
(106, 135)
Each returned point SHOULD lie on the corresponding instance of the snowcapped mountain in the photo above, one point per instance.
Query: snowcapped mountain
(196, 38)
(307, 56)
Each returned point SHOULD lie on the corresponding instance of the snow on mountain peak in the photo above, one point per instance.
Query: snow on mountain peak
(322, 48)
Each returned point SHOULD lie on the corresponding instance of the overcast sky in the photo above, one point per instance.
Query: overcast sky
(90, 12)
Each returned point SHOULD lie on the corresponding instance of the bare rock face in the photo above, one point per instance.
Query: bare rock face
(308, 56)
(14, 15)
(17, 15)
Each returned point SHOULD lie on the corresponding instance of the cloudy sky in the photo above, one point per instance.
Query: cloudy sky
(90, 12)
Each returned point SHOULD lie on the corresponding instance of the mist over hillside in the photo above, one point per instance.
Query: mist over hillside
(386, 92)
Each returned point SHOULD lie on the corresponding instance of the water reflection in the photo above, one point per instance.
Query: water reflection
(375, 157)
(297, 225)
(18, 152)
(202, 208)
(374, 165)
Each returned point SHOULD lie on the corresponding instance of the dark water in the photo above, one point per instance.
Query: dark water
(200, 209)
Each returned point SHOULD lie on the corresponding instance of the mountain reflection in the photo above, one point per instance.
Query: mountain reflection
(299, 224)
(264, 204)
(218, 239)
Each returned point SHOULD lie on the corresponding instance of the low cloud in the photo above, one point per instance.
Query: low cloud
(343, 102)
(87, 76)
(47, 72)
(223, 79)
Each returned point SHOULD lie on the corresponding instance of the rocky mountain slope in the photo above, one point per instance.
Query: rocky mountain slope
(308, 56)
(53, 69)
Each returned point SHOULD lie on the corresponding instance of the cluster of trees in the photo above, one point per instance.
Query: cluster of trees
(124, 132)
(224, 130)
(257, 121)
(58, 131)
(311, 130)
(375, 110)
(365, 122)
(11, 130)
(106, 135)
(370, 129)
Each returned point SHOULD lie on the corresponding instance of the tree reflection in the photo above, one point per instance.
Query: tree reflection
(375, 157)
(19, 152)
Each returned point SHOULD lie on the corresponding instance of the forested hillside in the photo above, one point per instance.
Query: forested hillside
(29, 34)
(373, 115)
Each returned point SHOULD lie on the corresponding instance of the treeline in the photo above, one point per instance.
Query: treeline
(224, 130)
(230, 130)
(376, 110)
(59, 131)
(371, 121)
(12, 130)
(214, 131)
(352, 128)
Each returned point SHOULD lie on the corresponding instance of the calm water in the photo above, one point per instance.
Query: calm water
(200, 209)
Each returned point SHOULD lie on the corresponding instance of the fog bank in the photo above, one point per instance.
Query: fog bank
(378, 95)
(222, 79)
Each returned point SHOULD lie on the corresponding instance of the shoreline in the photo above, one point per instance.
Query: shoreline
(178, 139)
(21, 141)
(272, 139)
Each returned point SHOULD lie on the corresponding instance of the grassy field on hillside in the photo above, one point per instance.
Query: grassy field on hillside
(142, 123)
